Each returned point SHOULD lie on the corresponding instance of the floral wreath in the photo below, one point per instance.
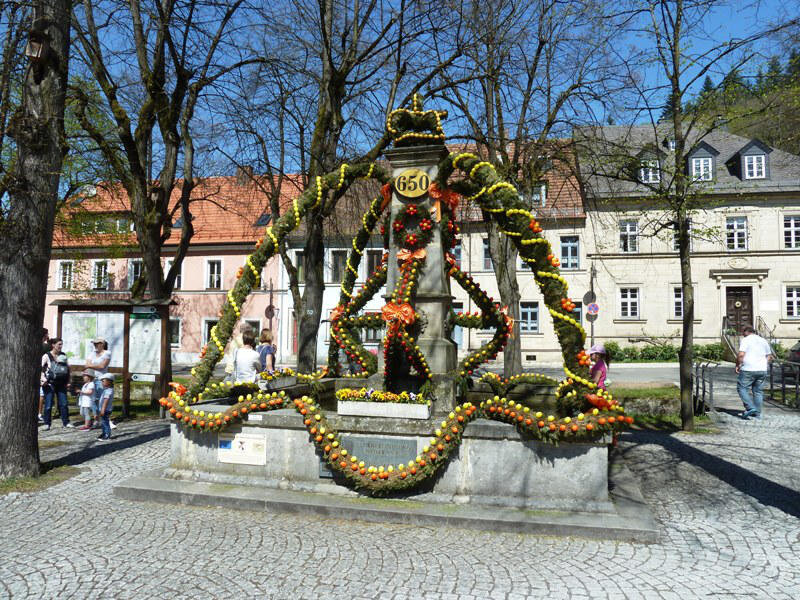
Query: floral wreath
(413, 227)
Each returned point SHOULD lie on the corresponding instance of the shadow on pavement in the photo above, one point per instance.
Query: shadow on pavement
(767, 492)
(95, 449)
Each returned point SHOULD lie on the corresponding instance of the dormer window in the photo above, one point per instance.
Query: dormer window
(701, 163)
(753, 161)
(649, 171)
(755, 166)
(702, 169)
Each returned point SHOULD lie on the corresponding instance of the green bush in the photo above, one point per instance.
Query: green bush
(713, 351)
(659, 353)
(613, 350)
(630, 354)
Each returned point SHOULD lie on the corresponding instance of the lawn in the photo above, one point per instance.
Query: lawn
(49, 476)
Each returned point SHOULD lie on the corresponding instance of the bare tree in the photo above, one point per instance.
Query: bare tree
(28, 200)
(152, 89)
(680, 47)
(343, 66)
(538, 69)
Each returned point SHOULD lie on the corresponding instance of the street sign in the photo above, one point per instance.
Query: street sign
(591, 318)
(589, 297)
(593, 308)
(269, 312)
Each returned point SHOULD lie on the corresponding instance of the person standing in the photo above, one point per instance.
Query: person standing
(246, 361)
(236, 343)
(752, 363)
(55, 371)
(86, 400)
(106, 405)
(266, 350)
(98, 362)
(600, 360)
(45, 350)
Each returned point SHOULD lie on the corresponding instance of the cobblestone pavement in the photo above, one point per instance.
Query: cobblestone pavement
(728, 506)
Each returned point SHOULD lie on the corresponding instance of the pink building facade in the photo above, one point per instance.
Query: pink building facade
(104, 261)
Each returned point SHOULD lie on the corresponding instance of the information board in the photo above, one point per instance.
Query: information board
(242, 448)
(79, 328)
(145, 342)
(376, 450)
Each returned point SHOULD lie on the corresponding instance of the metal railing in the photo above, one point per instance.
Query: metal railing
(730, 338)
(703, 386)
(784, 382)
(765, 331)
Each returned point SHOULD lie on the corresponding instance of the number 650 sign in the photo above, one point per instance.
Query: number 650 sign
(412, 183)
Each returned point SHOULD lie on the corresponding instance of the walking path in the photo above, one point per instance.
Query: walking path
(728, 506)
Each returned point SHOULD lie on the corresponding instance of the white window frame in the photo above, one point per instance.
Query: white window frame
(95, 266)
(371, 335)
(299, 265)
(128, 222)
(527, 326)
(539, 195)
(791, 298)
(209, 261)
(367, 254)
(332, 272)
(486, 257)
(677, 302)
(703, 168)
(755, 166)
(180, 332)
(565, 265)
(131, 262)
(735, 234)
(629, 231)
(179, 277)
(650, 170)
(457, 252)
(628, 301)
(61, 264)
(206, 320)
(675, 247)
(256, 330)
(791, 232)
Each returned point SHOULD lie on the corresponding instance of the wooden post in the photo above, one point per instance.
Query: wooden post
(163, 312)
(126, 377)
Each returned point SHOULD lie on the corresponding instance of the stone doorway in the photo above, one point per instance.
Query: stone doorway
(739, 307)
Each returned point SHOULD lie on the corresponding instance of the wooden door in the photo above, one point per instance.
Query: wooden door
(739, 307)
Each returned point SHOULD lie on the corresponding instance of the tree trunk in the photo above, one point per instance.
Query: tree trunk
(685, 353)
(26, 235)
(309, 315)
(504, 261)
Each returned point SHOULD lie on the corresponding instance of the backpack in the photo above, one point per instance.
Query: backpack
(60, 371)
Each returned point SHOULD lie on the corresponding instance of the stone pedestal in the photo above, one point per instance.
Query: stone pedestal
(493, 465)
(433, 297)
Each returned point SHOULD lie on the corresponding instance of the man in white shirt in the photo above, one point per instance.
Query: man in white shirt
(752, 363)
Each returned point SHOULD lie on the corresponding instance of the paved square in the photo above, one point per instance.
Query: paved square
(728, 506)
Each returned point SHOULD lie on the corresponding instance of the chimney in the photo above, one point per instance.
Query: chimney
(244, 174)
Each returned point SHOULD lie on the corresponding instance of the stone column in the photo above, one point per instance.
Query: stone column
(433, 298)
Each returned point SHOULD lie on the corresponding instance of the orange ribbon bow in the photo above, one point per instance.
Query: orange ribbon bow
(403, 313)
(509, 321)
(406, 255)
(386, 192)
(337, 312)
(448, 196)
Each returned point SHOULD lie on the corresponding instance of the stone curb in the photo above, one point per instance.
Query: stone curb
(633, 520)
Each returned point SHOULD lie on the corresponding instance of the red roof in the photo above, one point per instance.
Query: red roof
(224, 210)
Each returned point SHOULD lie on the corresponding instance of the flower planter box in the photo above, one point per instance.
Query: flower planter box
(391, 410)
(278, 383)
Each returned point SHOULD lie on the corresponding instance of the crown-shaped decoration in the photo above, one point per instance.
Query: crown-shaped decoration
(415, 127)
